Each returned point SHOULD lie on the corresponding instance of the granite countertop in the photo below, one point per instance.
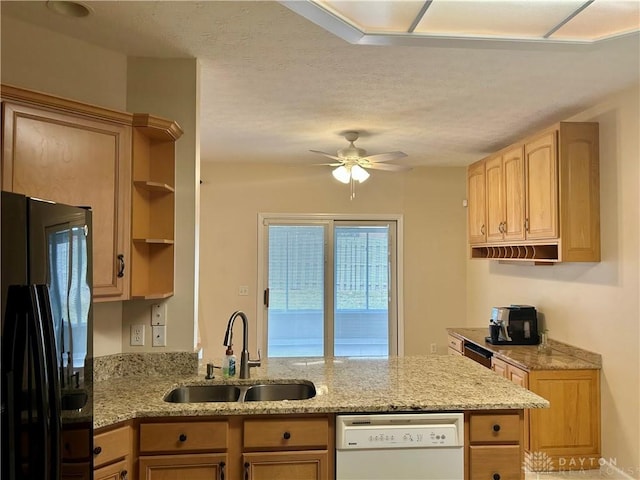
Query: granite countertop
(559, 355)
(396, 384)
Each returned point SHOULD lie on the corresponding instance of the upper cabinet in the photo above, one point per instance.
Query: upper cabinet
(476, 196)
(541, 198)
(79, 154)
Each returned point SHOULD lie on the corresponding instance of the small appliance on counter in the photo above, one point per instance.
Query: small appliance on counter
(513, 325)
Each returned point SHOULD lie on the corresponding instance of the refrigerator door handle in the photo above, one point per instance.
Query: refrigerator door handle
(51, 370)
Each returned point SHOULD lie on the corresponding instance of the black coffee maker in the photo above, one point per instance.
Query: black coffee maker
(513, 325)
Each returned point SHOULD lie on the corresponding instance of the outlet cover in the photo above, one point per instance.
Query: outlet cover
(159, 314)
(434, 348)
(243, 290)
(159, 335)
(137, 335)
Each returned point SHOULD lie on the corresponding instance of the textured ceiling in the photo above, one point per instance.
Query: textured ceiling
(275, 85)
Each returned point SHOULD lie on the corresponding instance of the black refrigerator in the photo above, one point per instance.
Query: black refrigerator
(47, 402)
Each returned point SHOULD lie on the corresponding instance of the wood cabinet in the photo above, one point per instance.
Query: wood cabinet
(494, 445)
(153, 207)
(541, 198)
(287, 448)
(505, 196)
(71, 153)
(180, 449)
(76, 453)
(121, 165)
(567, 434)
(112, 454)
(455, 345)
(476, 203)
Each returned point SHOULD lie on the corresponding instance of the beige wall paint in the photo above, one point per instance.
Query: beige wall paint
(593, 305)
(434, 231)
(39, 59)
(169, 88)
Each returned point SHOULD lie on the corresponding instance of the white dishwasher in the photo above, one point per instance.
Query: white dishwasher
(401, 446)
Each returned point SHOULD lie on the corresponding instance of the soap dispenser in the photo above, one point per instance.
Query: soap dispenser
(229, 363)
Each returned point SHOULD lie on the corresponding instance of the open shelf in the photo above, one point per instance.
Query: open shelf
(537, 253)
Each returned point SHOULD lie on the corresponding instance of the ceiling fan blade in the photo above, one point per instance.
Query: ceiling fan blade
(325, 154)
(387, 166)
(329, 164)
(384, 157)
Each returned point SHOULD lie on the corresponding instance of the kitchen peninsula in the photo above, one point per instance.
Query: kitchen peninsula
(134, 404)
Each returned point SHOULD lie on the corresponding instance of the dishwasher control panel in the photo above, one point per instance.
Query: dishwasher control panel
(399, 431)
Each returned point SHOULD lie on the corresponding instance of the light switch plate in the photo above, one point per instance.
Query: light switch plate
(159, 335)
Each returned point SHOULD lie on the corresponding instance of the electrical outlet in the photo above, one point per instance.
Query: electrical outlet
(159, 335)
(434, 348)
(137, 335)
(159, 314)
(243, 290)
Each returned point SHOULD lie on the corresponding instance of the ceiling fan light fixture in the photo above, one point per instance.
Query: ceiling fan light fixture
(359, 174)
(342, 174)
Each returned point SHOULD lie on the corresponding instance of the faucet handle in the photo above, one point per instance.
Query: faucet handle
(255, 363)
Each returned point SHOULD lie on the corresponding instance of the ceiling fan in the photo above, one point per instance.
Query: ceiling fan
(353, 162)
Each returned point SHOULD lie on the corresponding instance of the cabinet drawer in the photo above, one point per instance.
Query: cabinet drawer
(294, 432)
(111, 445)
(455, 344)
(494, 428)
(183, 436)
(75, 444)
(117, 471)
(486, 463)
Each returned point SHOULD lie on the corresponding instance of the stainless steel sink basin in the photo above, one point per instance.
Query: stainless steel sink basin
(280, 391)
(242, 393)
(204, 393)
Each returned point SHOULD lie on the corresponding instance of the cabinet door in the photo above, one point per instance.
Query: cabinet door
(499, 366)
(476, 202)
(495, 200)
(518, 376)
(541, 177)
(513, 189)
(78, 161)
(211, 466)
(501, 462)
(116, 471)
(309, 465)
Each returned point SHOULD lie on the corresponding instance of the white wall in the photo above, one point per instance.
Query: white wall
(39, 59)
(434, 239)
(592, 305)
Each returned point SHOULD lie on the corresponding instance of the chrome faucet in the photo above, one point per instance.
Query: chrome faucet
(245, 362)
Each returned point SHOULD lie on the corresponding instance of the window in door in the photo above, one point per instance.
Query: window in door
(332, 288)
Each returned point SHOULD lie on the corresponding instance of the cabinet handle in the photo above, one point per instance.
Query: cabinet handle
(97, 450)
(121, 269)
(496, 476)
(496, 428)
(246, 470)
(222, 465)
(182, 437)
(286, 435)
(526, 224)
(482, 229)
(124, 475)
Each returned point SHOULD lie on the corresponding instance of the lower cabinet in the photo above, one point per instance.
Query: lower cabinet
(565, 436)
(286, 448)
(209, 466)
(494, 445)
(274, 447)
(112, 458)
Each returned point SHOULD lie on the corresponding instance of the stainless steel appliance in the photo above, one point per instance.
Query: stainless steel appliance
(401, 446)
(513, 325)
(46, 337)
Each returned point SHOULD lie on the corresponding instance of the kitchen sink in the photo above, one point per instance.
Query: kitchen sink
(301, 390)
(280, 391)
(204, 393)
